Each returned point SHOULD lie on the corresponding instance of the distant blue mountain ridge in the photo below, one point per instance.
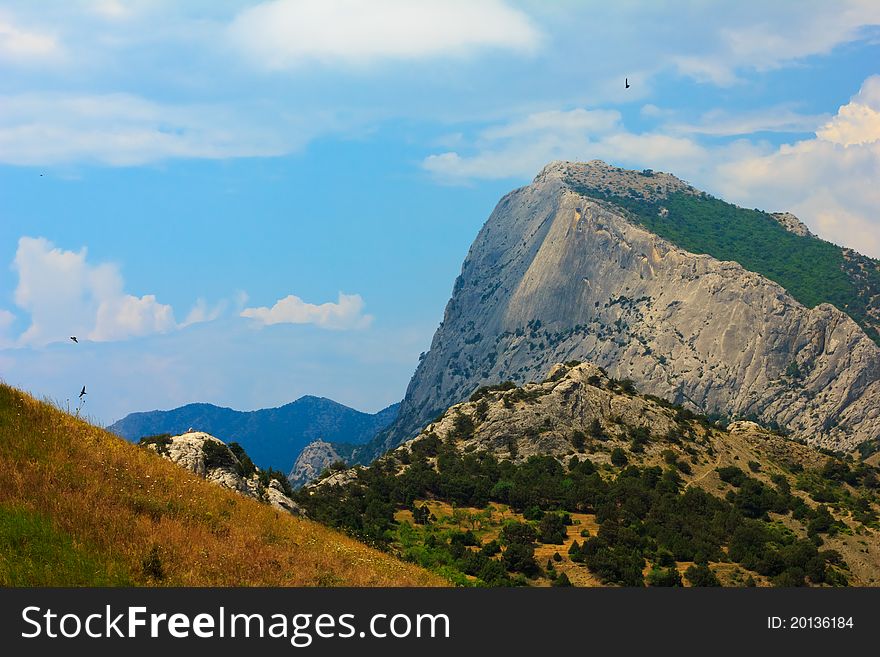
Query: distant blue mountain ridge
(272, 437)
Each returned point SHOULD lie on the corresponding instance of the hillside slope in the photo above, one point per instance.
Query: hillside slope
(273, 437)
(80, 506)
(556, 274)
(581, 476)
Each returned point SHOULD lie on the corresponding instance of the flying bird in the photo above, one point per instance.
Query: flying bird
(73, 337)
(626, 82)
(82, 392)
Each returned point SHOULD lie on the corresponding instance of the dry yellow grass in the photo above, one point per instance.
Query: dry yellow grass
(140, 516)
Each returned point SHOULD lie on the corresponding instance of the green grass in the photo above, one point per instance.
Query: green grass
(36, 553)
(811, 270)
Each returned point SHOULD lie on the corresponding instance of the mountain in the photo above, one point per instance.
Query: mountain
(82, 507)
(579, 479)
(316, 457)
(273, 437)
(719, 308)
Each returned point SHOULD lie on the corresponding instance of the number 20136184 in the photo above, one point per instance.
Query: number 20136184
(810, 623)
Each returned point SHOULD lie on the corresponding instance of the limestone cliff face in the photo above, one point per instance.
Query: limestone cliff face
(556, 276)
(315, 457)
(188, 450)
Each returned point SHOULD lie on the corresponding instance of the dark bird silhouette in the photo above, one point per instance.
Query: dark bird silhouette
(82, 392)
(626, 82)
(73, 337)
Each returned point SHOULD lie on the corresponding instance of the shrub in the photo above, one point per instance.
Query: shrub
(161, 442)
(561, 580)
(701, 575)
(218, 455)
(520, 558)
(551, 529)
(664, 577)
(246, 466)
(732, 475)
(618, 457)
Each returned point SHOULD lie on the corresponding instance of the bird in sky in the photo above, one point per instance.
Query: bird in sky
(73, 337)
(626, 82)
(82, 392)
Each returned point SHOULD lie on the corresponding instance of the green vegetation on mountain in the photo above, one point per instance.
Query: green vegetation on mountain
(813, 271)
(635, 509)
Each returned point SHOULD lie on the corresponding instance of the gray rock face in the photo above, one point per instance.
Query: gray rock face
(312, 461)
(188, 451)
(555, 276)
(792, 224)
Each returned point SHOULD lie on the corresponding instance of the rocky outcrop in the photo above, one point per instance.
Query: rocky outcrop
(316, 457)
(211, 458)
(578, 409)
(555, 275)
(792, 224)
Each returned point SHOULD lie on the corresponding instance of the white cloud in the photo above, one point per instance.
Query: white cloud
(346, 313)
(125, 130)
(722, 123)
(522, 147)
(829, 181)
(285, 33)
(787, 32)
(201, 312)
(25, 46)
(65, 295)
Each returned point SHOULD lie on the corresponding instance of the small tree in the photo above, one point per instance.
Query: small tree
(701, 575)
(578, 440)
(618, 457)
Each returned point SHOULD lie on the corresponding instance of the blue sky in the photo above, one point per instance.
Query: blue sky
(245, 202)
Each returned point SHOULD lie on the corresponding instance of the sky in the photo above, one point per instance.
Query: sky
(245, 202)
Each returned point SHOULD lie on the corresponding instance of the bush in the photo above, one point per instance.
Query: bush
(218, 455)
(664, 577)
(732, 475)
(701, 575)
(618, 457)
(596, 430)
(161, 442)
(551, 529)
(520, 558)
(561, 580)
(246, 466)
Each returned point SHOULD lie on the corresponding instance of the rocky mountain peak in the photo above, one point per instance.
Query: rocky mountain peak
(563, 270)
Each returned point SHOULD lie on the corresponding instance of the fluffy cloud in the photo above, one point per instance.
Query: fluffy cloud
(522, 147)
(829, 181)
(125, 130)
(788, 31)
(24, 46)
(346, 313)
(285, 33)
(65, 295)
(201, 312)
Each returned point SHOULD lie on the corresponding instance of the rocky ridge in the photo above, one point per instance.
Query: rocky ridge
(210, 458)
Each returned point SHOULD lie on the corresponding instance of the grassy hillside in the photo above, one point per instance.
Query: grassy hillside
(82, 507)
(811, 270)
